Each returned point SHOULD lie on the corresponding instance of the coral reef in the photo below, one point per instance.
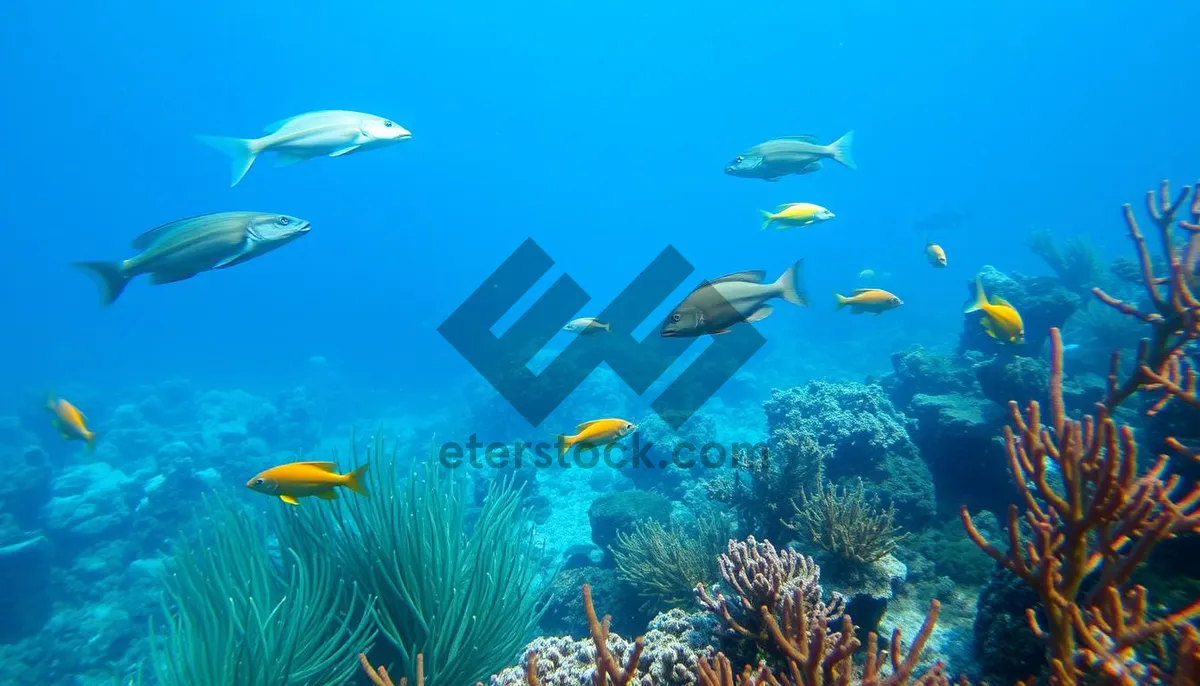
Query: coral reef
(1102, 523)
(1077, 265)
(868, 437)
(613, 513)
(844, 522)
(665, 564)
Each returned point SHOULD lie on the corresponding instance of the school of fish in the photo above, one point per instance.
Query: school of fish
(181, 249)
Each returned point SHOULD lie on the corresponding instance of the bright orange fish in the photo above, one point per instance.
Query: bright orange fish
(70, 422)
(302, 479)
(598, 432)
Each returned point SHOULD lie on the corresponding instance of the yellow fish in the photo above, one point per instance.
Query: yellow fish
(70, 422)
(1000, 320)
(796, 214)
(598, 432)
(863, 300)
(301, 479)
(937, 256)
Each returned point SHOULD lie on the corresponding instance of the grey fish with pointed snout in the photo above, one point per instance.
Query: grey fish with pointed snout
(184, 248)
(789, 155)
(717, 305)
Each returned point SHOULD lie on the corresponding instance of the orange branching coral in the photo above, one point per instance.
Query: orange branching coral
(1099, 526)
(608, 671)
(380, 677)
(1175, 319)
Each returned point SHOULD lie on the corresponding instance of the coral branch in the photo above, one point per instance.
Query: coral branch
(608, 671)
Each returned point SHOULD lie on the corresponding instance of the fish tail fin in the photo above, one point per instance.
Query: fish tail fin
(564, 443)
(354, 480)
(791, 284)
(768, 217)
(980, 298)
(841, 301)
(241, 151)
(607, 326)
(840, 150)
(90, 437)
(110, 277)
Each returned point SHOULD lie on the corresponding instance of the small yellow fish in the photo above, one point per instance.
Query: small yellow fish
(867, 274)
(1000, 320)
(937, 256)
(70, 422)
(301, 479)
(796, 214)
(598, 432)
(863, 300)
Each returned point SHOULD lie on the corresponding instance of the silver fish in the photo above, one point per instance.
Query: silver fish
(586, 326)
(332, 133)
(789, 155)
(184, 248)
(717, 305)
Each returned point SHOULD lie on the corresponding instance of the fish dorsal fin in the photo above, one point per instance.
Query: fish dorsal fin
(330, 467)
(997, 300)
(804, 137)
(146, 239)
(859, 291)
(313, 119)
(581, 427)
(786, 205)
(755, 276)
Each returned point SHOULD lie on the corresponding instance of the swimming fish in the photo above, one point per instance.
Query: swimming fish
(789, 155)
(586, 326)
(937, 256)
(598, 432)
(863, 300)
(332, 133)
(70, 422)
(717, 305)
(184, 248)
(1000, 320)
(302, 479)
(796, 214)
(867, 274)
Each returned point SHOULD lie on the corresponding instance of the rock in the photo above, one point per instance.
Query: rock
(960, 438)
(25, 600)
(89, 501)
(621, 511)
(867, 588)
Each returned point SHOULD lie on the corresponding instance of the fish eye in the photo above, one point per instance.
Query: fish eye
(258, 482)
(675, 317)
(738, 159)
(285, 221)
(387, 123)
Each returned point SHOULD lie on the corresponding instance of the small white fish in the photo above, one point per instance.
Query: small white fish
(586, 325)
(331, 133)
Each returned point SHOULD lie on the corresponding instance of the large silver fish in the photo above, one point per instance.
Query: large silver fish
(717, 305)
(789, 155)
(332, 133)
(184, 248)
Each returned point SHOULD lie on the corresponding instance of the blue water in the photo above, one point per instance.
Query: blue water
(600, 130)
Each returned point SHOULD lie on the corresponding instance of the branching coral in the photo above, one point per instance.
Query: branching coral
(762, 577)
(1174, 315)
(1098, 526)
(665, 564)
(845, 523)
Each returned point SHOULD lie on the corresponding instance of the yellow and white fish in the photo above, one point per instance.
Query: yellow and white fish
(1000, 320)
(935, 255)
(874, 300)
(796, 214)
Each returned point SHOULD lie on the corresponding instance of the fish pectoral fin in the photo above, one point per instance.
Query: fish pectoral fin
(66, 436)
(289, 500)
(760, 314)
(159, 278)
(997, 300)
(344, 151)
(328, 495)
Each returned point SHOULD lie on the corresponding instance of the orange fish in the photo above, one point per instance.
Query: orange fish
(70, 422)
(874, 300)
(597, 432)
(301, 479)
